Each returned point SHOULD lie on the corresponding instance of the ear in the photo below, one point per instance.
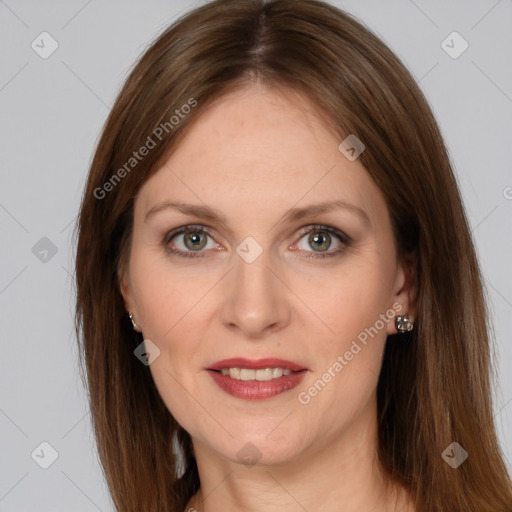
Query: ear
(125, 287)
(405, 291)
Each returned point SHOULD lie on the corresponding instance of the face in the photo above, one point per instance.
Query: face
(319, 289)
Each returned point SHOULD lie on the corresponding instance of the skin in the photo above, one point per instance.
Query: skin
(254, 154)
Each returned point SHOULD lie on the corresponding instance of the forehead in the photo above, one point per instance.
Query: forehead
(257, 149)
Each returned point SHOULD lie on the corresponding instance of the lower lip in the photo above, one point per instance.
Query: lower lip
(256, 389)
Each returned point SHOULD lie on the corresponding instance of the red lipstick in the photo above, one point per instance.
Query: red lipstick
(256, 364)
(255, 389)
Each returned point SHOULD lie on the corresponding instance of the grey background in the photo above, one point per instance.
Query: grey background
(51, 113)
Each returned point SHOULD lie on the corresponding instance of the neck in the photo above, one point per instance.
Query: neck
(340, 474)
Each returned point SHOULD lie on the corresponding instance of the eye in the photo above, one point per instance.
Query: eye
(191, 240)
(321, 238)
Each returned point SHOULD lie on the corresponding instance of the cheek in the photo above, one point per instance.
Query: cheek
(344, 301)
(354, 307)
(170, 308)
(164, 294)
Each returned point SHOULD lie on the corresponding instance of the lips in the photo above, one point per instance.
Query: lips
(258, 364)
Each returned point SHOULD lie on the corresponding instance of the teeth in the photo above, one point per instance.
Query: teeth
(249, 374)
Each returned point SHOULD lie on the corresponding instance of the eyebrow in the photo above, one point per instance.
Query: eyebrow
(293, 214)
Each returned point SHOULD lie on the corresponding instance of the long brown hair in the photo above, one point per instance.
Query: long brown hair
(435, 386)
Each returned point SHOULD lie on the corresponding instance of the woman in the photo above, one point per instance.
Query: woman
(276, 283)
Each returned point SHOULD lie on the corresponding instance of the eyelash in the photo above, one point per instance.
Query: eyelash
(342, 237)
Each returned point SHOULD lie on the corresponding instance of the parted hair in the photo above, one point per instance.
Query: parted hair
(436, 381)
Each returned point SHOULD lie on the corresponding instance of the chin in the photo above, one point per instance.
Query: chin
(260, 451)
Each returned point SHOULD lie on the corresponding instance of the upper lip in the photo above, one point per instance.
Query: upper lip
(256, 364)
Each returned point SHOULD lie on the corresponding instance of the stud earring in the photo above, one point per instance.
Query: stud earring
(135, 326)
(403, 324)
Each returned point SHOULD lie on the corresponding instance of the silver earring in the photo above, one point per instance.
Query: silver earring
(133, 321)
(403, 324)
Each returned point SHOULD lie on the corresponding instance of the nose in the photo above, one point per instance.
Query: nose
(256, 298)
